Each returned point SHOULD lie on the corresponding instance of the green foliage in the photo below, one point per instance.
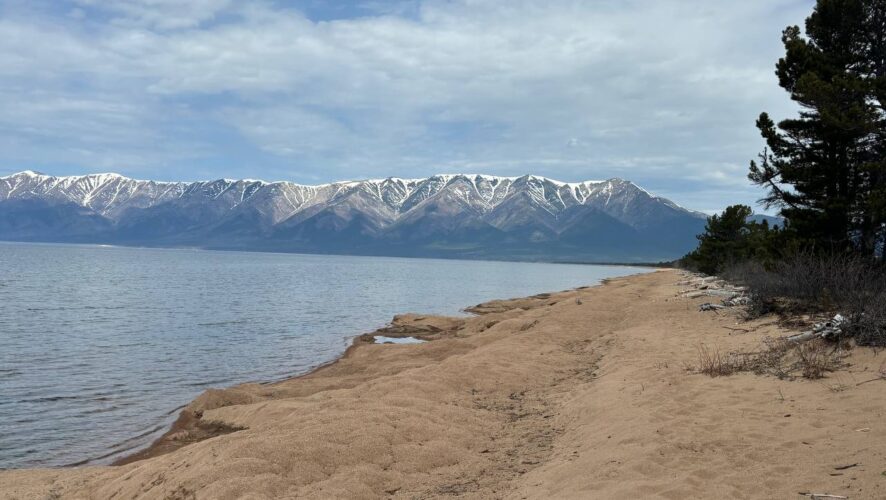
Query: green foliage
(729, 238)
(825, 169)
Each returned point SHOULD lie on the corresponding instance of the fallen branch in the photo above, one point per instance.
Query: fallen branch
(844, 467)
(737, 329)
(707, 306)
(814, 496)
(871, 380)
(803, 337)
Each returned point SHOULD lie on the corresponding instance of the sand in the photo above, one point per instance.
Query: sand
(579, 394)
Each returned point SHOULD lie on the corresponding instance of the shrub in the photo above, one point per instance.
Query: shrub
(778, 357)
(852, 285)
(711, 362)
(815, 358)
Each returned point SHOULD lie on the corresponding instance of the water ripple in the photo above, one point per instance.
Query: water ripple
(100, 347)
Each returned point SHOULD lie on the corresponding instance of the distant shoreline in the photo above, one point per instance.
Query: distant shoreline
(277, 252)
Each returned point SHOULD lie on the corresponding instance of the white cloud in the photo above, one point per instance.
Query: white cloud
(158, 14)
(659, 92)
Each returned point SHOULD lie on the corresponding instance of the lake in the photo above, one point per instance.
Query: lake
(101, 346)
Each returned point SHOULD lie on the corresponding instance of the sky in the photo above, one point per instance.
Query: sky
(660, 92)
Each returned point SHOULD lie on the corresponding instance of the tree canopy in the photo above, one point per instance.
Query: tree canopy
(825, 168)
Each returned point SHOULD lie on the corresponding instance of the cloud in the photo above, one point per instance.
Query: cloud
(156, 14)
(664, 93)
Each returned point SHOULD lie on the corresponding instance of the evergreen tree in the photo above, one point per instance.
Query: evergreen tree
(875, 39)
(730, 238)
(825, 169)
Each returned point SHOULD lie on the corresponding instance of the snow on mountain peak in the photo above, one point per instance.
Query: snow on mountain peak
(442, 213)
(111, 193)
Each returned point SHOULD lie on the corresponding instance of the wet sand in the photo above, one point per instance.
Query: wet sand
(578, 394)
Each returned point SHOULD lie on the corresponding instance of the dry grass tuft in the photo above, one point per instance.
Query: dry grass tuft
(715, 364)
(815, 359)
(785, 360)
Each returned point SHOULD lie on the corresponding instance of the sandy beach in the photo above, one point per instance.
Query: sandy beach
(588, 393)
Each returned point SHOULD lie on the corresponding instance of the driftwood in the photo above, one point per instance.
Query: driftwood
(694, 294)
(828, 329)
(815, 496)
(707, 306)
(871, 380)
(741, 300)
(745, 330)
(712, 286)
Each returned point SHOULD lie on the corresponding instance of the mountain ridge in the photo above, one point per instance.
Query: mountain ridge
(452, 215)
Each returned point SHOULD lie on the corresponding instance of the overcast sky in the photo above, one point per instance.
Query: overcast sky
(661, 92)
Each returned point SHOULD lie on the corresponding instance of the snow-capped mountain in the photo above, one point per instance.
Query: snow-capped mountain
(443, 215)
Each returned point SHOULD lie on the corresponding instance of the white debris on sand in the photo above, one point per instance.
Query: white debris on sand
(697, 285)
(830, 329)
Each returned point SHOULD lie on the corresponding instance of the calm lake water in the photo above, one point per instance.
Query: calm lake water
(101, 346)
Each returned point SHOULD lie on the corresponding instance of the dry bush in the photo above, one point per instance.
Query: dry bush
(761, 283)
(869, 327)
(769, 360)
(853, 286)
(715, 364)
(816, 358)
(776, 357)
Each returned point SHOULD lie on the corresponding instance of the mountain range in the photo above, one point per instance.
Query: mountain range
(458, 216)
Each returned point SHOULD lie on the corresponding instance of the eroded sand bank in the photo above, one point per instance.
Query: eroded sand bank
(580, 394)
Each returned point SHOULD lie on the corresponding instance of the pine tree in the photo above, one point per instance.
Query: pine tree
(825, 169)
(875, 39)
(730, 238)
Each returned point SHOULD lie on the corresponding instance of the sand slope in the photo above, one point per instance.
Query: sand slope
(546, 397)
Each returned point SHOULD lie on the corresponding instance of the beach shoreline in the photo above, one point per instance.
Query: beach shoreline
(189, 427)
(585, 393)
(189, 421)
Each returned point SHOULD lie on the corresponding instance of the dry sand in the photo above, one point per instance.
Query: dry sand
(545, 397)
